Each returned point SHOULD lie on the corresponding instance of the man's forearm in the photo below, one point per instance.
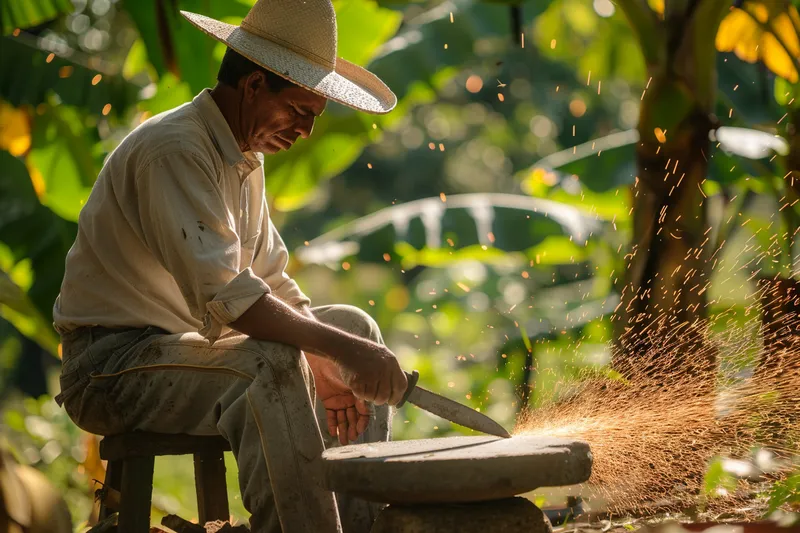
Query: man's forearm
(271, 319)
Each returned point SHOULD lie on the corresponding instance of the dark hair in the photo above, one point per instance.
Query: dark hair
(235, 66)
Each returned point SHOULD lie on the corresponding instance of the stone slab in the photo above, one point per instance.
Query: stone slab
(512, 515)
(455, 469)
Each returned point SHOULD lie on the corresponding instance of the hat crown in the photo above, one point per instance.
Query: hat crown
(307, 27)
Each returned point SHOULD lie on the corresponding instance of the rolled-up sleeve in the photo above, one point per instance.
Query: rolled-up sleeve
(188, 228)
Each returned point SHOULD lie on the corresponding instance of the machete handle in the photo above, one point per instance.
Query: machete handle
(413, 377)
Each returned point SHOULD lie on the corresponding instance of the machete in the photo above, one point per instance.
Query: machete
(448, 409)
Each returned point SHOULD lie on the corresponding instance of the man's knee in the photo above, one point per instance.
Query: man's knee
(260, 355)
(353, 320)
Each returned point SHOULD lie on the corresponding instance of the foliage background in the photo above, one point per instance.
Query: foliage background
(484, 223)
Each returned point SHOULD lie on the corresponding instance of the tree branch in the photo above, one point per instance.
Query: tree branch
(646, 26)
(706, 18)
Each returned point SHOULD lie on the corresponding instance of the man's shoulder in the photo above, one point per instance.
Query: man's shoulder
(179, 131)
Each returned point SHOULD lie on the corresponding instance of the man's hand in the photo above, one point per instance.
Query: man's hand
(347, 416)
(372, 372)
(369, 369)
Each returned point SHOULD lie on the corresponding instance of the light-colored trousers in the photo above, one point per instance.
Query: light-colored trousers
(259, 395)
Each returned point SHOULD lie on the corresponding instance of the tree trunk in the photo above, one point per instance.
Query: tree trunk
(780, 296)
(667, 278)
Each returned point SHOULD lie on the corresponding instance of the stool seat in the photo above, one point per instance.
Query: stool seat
(143, 444)
(129, 474)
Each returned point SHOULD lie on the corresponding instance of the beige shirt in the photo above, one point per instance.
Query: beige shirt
(176, 232)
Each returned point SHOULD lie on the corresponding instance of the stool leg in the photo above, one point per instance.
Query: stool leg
(137, 491)
(113, 482)
(212, 491)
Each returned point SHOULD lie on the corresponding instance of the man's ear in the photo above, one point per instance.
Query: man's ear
(254, 83)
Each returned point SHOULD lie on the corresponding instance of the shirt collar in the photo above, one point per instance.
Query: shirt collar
(223, 136)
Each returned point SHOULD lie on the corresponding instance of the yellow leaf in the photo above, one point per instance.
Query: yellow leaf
(657, 6)
(782, 27)
(15, 130)
(37, 179)
(739, 32)
(93, 465)
(759, 11)
(776, 59)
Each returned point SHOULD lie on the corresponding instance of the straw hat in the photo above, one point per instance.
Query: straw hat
(296, 39)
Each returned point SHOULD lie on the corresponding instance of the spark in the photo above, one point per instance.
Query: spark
(656, 421)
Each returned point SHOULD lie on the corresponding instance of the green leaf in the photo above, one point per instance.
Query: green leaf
(293, 175)
(136, 61)
(557, 250)
(603, 46)
(170, 93)
(786, 492)
(28, 13)
(717, 481)
(174, 45)
(32, 231)
(363, 27)
(63, 155)
(17, 308)
(410, 257)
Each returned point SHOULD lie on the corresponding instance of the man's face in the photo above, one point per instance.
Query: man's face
(272, 122)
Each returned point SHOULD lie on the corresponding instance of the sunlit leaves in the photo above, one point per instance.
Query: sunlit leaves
(764, 30)
(15, 131)
(572, 32)
(170, 93)
(410, 257)
(26, 13)
(556, 250)
(16, 308)
(34, 243)
(70, 81)
(63, 157)
(363, 27)
(175, 45)
(787, 94)
(785, 493)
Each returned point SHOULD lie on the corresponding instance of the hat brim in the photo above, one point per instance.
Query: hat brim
(347, 84)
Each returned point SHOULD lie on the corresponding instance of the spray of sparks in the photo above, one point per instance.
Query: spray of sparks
(654, 426)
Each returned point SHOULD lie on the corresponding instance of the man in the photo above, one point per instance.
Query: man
(176, 314)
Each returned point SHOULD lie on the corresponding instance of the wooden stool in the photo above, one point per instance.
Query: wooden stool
(131, 459)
